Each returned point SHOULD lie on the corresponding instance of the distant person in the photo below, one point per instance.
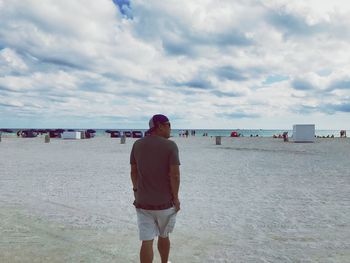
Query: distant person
(155, 176)
(182, 133)
(343, 134)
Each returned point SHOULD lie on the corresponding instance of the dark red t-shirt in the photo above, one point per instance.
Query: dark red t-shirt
(153, 156)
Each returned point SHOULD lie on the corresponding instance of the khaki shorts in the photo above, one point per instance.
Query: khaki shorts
(154, 223)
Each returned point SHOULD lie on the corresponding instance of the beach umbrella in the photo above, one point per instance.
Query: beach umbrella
(114, 133)
(41, 131)
(111, 131)
(127, 133)
(137, 134)
(55, 133)
(28, 133)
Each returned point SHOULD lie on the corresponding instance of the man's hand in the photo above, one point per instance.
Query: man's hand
(177, 205)
(175, 184)
(134, 173)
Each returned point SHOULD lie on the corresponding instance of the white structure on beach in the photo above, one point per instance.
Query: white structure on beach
(71, 135)
(304, 132)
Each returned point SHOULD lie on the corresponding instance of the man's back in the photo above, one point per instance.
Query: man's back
(153, 156)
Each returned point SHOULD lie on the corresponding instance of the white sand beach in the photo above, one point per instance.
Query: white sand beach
(247, 200)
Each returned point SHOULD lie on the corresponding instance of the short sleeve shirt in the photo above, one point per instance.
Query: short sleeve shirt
(153, 156)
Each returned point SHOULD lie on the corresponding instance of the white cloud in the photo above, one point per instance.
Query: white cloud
(10, 61)
(195, 60)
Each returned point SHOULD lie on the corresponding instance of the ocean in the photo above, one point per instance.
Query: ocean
(220, 132)
(227, 132)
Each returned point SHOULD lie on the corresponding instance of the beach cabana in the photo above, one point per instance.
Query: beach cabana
(114, 133)
(90, 133)
(137, 134)
(73, 135)
(127, 133)
(304, 132)
(28, 133)
(56, 133)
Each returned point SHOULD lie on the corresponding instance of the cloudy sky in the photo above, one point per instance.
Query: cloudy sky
(204, 63)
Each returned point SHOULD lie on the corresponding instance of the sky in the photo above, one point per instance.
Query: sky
(205, 64)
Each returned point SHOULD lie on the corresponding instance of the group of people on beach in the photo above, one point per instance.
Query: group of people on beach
(185, 133)
(328, 136)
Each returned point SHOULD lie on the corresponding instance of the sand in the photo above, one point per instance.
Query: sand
(247, 200)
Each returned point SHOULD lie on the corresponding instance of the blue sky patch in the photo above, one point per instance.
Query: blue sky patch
(124, 7)
(274, 78)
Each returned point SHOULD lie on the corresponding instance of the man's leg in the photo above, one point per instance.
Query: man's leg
(146, 252)
(164, 248)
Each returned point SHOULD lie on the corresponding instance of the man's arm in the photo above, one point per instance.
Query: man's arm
(175, 184)
(133, 174)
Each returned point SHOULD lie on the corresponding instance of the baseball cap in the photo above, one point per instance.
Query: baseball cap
(158, 118)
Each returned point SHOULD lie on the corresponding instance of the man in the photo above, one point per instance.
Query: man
(155, 176)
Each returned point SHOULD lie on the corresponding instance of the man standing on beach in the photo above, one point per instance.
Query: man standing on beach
(155, 175)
